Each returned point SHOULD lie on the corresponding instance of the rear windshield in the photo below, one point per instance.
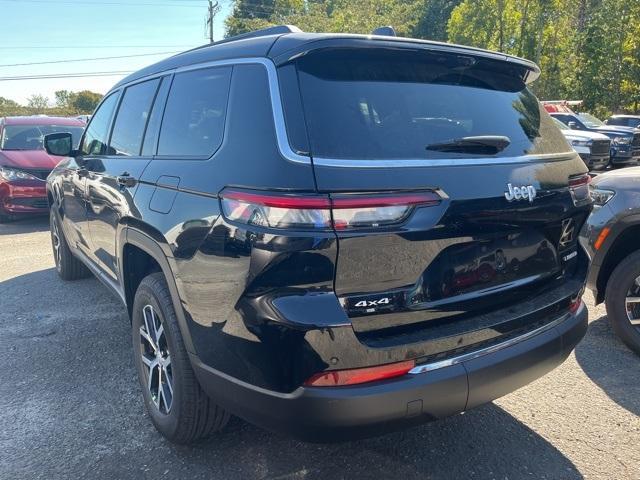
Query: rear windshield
(30, 137)
(382, 104)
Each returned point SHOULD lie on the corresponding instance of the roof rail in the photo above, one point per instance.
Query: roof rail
(263, 32)
(387, 31)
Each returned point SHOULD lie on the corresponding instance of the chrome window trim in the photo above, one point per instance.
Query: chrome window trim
(287, 152)
(276, 101)
(430, 367)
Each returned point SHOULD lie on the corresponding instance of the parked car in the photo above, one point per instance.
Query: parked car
(24, 164)
(625, 141)
(329, 235)
(593, 148)
(624, 120)
(610, 237)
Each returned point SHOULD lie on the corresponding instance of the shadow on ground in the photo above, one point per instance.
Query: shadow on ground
(610, 365)
(70, 407)
(25, 225)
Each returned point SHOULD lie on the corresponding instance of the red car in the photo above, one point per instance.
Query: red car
(24, 164)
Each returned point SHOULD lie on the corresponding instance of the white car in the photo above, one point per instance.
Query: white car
(593, 148)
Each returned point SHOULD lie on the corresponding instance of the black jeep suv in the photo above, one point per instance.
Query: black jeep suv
(330, 235)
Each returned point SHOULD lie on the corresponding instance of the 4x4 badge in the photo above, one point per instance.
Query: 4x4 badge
(520, 193)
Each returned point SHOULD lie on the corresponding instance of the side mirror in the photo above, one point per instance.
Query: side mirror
(573, 126)
(60, 144)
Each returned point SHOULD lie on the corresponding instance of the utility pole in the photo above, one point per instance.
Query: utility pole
(214, 7)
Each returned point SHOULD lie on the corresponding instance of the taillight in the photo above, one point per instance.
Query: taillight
(354, 376)
(340, 211)
(362, 211)
(579, 188)
(277, 211)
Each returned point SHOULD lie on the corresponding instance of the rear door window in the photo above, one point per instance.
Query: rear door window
(194, 116)
(132, 117)
(380, 104)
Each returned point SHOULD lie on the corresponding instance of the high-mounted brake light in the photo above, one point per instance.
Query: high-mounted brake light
(340, 211)
(354, 376)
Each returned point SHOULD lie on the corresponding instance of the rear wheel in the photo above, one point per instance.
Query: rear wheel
(177, 405)
(67, 265)
(623, 301)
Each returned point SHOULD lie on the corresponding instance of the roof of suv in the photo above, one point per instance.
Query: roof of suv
(282, 42)
(41, 120)
(624, 116)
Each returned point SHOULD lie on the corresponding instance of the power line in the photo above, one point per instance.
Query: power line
(100, 4)
(15, 47)
(86, 59)
(66, 75)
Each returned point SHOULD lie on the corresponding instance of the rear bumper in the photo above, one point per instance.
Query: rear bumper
(338, 413)
(23, 197)
(625, 156)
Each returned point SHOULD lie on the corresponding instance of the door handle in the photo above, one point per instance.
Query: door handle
(126, 180)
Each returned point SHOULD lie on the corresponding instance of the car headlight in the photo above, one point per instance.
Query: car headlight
(581, 143)
(11, 175)
(600, 196)
(622, 140)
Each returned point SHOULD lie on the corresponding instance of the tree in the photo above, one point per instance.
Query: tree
(249, 15)
(7, 103)
(9, 107)
(353, 16)
(37, 102)
(85, 101)
(62, 98)
(434, 18)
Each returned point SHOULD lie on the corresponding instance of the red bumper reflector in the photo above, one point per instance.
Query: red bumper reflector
(575, 305)
(355, 376)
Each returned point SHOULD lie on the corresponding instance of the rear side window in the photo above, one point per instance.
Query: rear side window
(94, 141)
(380, 104)
(131, 119)
(194, 117)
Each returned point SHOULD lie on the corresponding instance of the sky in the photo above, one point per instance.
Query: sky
(33, 31)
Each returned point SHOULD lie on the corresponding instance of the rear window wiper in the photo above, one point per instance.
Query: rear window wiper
(480, 145)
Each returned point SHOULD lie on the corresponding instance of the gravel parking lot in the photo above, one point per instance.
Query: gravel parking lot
(70, 405)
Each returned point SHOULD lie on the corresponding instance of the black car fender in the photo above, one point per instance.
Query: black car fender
(152, 248)
(614, 249)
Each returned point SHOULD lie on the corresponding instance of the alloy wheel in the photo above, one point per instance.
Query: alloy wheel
(156, 359)
(632, 303)
(55, 240)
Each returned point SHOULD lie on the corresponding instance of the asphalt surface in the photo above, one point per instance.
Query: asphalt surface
(70, 405)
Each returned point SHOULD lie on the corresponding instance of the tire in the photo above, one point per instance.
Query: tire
(622, 284)
(67, 265)
(183, 413)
